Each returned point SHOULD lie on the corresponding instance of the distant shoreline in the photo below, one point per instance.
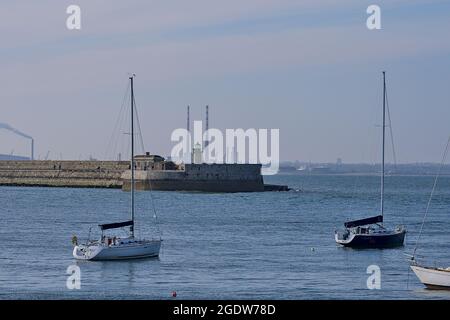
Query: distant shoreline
(290, 173)
(364, 169)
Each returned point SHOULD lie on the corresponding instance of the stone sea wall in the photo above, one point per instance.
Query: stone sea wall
(117, 174)
(200, 177)
(89, 174)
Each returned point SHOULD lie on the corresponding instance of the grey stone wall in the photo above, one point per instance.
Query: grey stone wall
(102, 174)
(200, 177)
(116, 174)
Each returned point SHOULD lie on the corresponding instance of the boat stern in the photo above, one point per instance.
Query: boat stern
(79, 253)
(84, 252)
(343, 238)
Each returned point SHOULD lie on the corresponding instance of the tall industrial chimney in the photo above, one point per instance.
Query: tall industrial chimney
(207, 118)
(32, 149)
(188, 120)
(207, 126)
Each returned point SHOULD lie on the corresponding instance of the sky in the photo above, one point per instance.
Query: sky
(311, 69)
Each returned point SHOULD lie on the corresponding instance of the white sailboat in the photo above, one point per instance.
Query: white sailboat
(432, 277)
(116, 248)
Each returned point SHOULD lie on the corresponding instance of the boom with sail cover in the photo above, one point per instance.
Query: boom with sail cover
(363, 222)
(115, 225)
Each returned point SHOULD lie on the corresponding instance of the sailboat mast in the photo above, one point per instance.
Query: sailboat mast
(384, 139)
(132, 156)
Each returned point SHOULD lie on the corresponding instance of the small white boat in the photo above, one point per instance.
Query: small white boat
(117, 248)
(433, 278)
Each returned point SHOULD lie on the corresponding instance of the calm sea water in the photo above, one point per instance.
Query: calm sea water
(275, 245)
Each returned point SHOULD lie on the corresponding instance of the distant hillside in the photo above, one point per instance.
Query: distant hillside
(363, 168)
(12, 157)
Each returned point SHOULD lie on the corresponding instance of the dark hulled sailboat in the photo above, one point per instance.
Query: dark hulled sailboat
(371, 232)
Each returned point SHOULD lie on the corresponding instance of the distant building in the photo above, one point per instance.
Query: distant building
(153, 162)
(197, 154)
(320, 169)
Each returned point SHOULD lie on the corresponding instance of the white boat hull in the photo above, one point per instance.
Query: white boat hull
(131, 250)
(433, 278)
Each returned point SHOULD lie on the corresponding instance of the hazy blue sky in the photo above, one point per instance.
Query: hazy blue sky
(310, 68)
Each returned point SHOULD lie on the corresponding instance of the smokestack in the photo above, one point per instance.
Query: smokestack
(188, 120)
(207, 118)
(207, 125)
(32, 149)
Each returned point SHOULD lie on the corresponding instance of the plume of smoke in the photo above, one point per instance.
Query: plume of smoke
(8, 127)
